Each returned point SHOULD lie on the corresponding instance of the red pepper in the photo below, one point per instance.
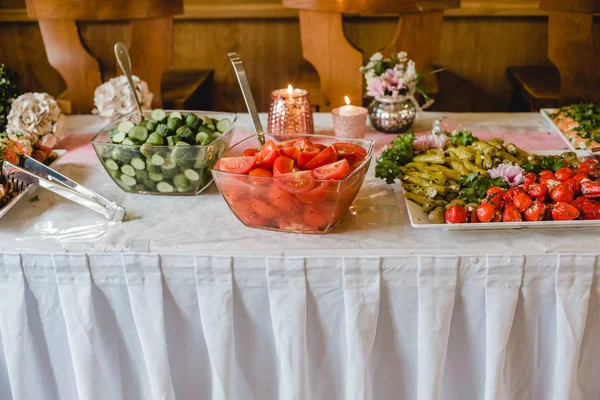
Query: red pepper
(590, 209)
(590, 189)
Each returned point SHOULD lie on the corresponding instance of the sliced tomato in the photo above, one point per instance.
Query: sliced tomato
(268, 147)
(305, 156)
(296, 182)
(285, 202)
(322, 192)
(327, 156)
(319, 146)
(262, 208)
(282, 165)
(237, 165)
(317, 216)
(250, 152)
(266, 161)
(287, 143)
(352, 152)
(260, 172)
(337, 170)
(290, 152)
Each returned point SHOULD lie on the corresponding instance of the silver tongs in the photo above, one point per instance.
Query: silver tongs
(31, 172)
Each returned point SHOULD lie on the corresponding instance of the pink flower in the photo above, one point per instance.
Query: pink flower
(510, 173)
(376, 87)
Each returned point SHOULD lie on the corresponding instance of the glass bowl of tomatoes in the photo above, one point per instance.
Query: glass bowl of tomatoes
(294, 183)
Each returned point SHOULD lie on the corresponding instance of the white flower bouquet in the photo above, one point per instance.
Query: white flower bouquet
(114, 98)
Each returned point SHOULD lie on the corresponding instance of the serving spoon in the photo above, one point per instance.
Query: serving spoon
(125, 63)
(242, 78)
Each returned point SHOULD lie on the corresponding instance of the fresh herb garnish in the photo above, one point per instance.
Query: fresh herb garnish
(587, 116)
(549, 163)
(474, 186)
(465, 138)
(398, 153)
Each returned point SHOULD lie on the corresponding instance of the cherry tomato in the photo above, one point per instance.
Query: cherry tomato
(306, 155)
(250, 152)
(485, 212)
(562, 193)
(319, 146)
(511, 214)
(535, 212)
(336, 170)
(237, 165)
(283, 165)
(266, 161)
(539, 191)
(285, 202)
(494, 190)
(456, 214)
(587, 167)
(512, 192)
(296, 182)
(522, 201)
(575, 186)
(564, 212)
(287, 143)
(327, 156)
(317, 216)
(563, 174)
(268, 147)
(353, 153)
(546, 174)
(264, 209)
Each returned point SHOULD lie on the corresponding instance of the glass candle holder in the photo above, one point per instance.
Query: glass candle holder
(290, 113)
(350, 125)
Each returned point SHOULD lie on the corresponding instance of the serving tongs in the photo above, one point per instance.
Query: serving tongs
(31, 172)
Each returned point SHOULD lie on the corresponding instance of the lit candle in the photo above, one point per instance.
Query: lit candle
(290, 112)
(349, 121)
(349, 110)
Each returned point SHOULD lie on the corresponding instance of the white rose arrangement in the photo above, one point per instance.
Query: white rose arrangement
(114, 98)
(36, 117)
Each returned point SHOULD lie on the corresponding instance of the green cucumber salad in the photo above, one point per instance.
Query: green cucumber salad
(162, 157)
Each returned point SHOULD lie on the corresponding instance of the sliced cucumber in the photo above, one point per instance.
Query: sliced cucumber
(128, 180)
(118, 137)
(128, 142)
(111, 164)
(180, 151)
(171, 140)
(151, 167)
(180, 180)
(141, 175)
(187, 189)
(196, 124)
(138, 133)
(191, 175)
(207, 129)
(169, 169)
(207, 141)
(162, 130)
(158, 114)
(112, 132)
(174, 123)
(120, 154)
(175, 114)
(157, 159)
(147, 149)
(150, 184)
(223, 125)
(125, 126)
(201, 136)
(138, 163)
(128, 170)
(140, 187)
(151, 125)
(190, 119)
(186, 134)
(155, 176)
(164, 187)
(155, 139)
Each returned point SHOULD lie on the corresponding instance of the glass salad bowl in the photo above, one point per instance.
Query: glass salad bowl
(141, 162)
(286, 202)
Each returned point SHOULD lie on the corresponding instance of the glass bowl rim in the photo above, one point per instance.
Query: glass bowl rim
(362, 165)
(94, 140)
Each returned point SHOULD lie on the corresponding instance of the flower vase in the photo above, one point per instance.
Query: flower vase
(390, 115)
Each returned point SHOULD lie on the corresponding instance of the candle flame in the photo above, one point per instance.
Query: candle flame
(347, 100)
(290, 90)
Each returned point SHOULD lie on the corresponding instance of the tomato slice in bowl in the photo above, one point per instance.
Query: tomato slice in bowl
(237, 165)
(260, 172)
(266, 160)
(351, 152)
(250, 152)
(282, 165)
(290, 152)
(296, 182)
(337, 170)
(305, 156)
(322, 192)
(327, 156)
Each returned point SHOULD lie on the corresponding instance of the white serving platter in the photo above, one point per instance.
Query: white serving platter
(419, 220)
(546, 115)
(30, 189)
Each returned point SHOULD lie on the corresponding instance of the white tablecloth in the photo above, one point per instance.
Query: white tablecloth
(375, 310)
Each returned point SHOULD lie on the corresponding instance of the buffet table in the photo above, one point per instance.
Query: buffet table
(181, 301)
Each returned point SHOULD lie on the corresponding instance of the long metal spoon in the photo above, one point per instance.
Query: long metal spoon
(125, 63)
(245, 86)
